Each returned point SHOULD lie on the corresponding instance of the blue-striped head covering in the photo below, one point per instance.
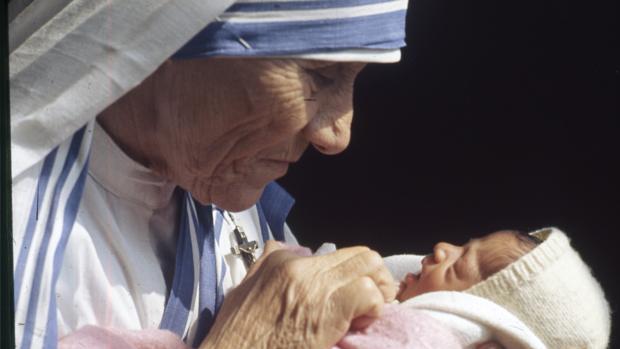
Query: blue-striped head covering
(336, 30)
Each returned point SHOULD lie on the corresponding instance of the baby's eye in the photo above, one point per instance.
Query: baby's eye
(460, 267)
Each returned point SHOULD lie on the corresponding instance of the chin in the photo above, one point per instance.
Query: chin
(236, 199)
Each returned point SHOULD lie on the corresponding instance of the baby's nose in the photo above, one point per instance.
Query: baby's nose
(441, 251)
(440, 255)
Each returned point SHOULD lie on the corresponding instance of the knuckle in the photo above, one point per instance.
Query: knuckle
(373, 259)
(377, 299)
(367, 285)
(293, 268)
(359, 249)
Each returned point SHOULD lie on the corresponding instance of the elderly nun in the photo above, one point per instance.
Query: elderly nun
(146, 136)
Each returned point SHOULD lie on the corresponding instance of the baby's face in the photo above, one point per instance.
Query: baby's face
(456, 268)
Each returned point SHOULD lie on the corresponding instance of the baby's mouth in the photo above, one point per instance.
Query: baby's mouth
(412, 278)
(409, 280)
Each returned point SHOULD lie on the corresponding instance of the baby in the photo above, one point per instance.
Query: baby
(537, 279)
(457, 268)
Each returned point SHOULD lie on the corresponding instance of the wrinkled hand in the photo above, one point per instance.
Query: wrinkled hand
(288, 301)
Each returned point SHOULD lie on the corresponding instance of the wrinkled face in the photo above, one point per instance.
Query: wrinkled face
(237, 124)
(457, 268)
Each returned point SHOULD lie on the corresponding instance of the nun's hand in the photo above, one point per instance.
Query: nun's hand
(288, 301)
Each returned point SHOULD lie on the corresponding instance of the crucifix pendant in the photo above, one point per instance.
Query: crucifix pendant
(244, 247)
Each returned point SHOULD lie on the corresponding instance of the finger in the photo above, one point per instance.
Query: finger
(367, 263)
(385, 282)
(362, 322)
(341, 255)
(360, 299)
(364, 263)
(271, 246)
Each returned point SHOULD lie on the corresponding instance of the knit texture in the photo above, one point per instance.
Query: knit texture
(553, 291)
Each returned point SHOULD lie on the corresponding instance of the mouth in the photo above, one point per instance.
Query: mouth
(280, 162)
(286, 160)
(411, 277)
(409, 280)
(407, 283)
(275, 168)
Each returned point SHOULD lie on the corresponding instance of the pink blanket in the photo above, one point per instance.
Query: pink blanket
(92, 337)
(403, 328)
(398, 328)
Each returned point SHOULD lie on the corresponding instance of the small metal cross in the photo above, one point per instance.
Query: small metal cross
(244, 247)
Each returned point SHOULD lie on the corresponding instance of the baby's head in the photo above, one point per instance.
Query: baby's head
(457, 268)
(544, 283)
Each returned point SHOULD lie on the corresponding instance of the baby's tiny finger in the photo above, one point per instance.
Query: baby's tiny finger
(360, 299)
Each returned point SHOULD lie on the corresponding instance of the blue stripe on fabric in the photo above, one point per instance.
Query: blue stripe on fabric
(219, 219)
(180, 299)
(31, 316)
(276, 204)
(71, 210)
(208, 273)
(299, 5)
(39, 197)
(382, 31)
(217, 226)
(264, 229)
(220, 287)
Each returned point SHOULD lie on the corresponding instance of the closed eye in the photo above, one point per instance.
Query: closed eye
(460, 267)
(320, 80)
(466, 266)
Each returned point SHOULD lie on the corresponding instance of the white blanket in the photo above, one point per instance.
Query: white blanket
(472, 319)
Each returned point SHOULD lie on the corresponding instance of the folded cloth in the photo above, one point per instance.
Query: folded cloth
(114, 338)
(401, 327)
(401, 264)
(472, 319)
(398, 327)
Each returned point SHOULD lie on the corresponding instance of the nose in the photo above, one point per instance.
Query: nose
(330, 134)
(442, 250)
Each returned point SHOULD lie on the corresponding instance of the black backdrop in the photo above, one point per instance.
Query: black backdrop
(500, 115)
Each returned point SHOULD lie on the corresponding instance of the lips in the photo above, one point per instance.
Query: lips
(407, 287)
(278, 162)
(411, 278)
(287, 161)
(276, 168)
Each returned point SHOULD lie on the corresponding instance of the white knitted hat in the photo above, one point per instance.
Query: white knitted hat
(552, 291)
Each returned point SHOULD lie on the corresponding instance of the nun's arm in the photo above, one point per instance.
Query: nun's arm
(288, 301)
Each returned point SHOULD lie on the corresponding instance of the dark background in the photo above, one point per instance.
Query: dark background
(500, 115)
